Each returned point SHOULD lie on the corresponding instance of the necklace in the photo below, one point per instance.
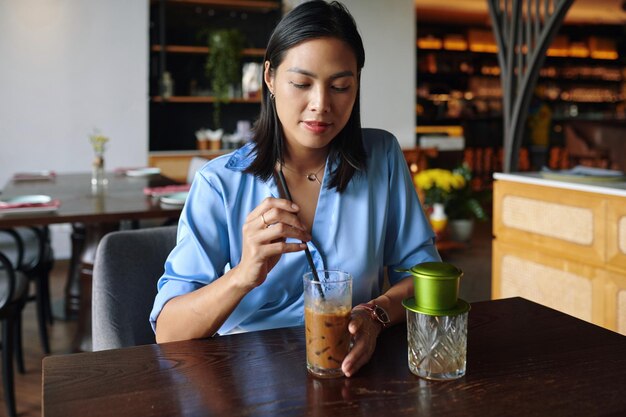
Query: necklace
(311, 176)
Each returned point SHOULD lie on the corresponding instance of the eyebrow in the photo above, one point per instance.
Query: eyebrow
(312, 75)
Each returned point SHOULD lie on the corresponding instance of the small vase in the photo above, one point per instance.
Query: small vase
(98, 176)
(438, 218)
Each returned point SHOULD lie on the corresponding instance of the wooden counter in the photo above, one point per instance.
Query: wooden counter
(175, 164)
(562, 244)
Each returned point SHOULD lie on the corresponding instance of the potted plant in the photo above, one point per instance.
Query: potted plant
(465, 205)
(435, 187)
(223, 66)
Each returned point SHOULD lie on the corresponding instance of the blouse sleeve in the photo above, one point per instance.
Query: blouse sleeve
(409, 238)
(201, 250)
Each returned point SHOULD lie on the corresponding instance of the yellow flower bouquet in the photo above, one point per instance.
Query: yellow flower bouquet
(453, 190)
(438, 184)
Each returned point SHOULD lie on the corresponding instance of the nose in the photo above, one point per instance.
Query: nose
(320, 99)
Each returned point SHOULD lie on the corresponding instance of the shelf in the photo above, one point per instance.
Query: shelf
(450, 130)
(202, 99)
(547, 99)
(188, 49)
(576, 80)
(232, 4)
(549, 55)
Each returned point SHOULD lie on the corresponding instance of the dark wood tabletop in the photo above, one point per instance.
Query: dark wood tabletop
(523, 359)
(121, 199)
(92, 213)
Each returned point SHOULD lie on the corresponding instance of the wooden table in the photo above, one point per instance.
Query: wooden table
(92, 213)
(523, 359)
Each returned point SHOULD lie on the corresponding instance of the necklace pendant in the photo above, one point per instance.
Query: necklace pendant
(312, 177)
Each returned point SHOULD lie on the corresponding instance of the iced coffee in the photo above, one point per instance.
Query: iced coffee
(327, 306)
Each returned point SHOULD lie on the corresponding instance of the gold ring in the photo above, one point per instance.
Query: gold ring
(263, 218)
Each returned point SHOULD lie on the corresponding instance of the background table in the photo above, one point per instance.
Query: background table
(523, 359)
(92, 213)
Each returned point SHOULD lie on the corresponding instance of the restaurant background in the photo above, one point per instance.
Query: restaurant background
(71, 66)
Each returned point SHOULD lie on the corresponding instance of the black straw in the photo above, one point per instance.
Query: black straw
(307, 252)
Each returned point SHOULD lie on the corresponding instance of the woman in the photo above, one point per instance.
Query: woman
(353, 202)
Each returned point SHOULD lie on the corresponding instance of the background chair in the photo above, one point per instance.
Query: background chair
(37, 260)
(127, 266)
(13, 294)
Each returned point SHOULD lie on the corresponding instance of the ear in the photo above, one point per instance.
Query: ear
(268, 77)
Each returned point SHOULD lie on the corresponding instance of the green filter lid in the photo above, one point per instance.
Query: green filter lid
(436, 270)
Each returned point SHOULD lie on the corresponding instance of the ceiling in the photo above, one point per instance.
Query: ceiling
(594, 12)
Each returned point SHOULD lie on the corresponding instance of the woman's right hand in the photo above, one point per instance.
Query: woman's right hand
(264, 234)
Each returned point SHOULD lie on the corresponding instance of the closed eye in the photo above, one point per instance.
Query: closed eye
(340, 89)
(297, 85)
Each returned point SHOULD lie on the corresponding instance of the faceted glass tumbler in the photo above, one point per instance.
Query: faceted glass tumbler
(437, 345)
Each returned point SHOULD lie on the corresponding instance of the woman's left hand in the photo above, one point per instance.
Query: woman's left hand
(364, 333)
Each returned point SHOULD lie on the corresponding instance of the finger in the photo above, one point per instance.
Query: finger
(358, 356)
(356, 321)
(278, 248)
(278, 215)
(364, 342)
(271, 202)
(280, 232)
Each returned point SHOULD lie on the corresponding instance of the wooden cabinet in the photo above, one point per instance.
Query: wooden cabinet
(561, 245)
(179, 31)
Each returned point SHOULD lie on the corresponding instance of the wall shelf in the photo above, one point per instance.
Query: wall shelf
(202, 99)
(202, 50)
(180, 91)
(231, 4)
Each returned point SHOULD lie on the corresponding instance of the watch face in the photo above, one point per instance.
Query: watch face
(382, 315)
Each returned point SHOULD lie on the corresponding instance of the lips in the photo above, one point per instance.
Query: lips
(316, 127)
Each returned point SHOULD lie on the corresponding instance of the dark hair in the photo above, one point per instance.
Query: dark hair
(311, 20)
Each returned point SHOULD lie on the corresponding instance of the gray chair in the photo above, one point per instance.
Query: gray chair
(126, 269)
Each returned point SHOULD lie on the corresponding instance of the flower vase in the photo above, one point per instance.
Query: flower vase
(98, 176)
(438, 218)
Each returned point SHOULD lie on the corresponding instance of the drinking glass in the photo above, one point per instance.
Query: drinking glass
(327, 307)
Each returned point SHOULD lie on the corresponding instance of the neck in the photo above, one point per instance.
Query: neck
(305, 162)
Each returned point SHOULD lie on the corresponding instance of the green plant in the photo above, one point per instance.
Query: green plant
(223, 65)
(464, 202)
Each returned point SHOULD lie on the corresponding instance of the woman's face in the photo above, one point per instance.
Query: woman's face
(315, 88)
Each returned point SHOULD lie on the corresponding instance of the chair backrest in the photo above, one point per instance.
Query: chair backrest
(13, 282)
(127, 267)
(7, 282)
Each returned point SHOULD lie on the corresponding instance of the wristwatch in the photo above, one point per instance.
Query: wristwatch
(377, 313)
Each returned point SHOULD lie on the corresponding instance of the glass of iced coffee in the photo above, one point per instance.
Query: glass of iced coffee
(327, 307)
